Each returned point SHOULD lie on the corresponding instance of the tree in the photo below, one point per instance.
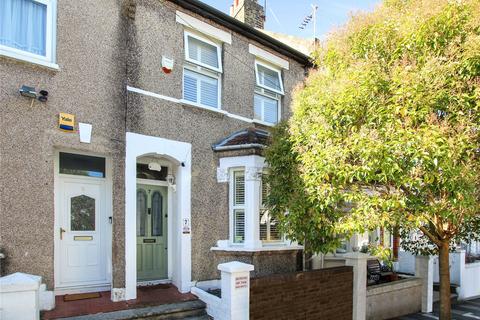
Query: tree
(385, 133)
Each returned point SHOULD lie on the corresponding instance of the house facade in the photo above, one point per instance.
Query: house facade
(132, 136)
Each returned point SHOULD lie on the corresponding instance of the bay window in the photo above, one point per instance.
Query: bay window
(27, 30)
(267, 231)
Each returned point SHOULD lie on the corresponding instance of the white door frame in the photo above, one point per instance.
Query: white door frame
(179, 154)
(58, 289)
(169, 228)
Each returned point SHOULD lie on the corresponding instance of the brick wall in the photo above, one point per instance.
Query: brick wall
(318, 294)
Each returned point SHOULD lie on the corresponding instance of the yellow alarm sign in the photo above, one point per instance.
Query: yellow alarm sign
(66, 121)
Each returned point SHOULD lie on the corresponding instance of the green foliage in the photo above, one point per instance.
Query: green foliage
(304, 221)
(386, 131)
(384, 254)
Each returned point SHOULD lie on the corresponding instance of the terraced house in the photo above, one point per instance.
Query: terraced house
(132, 135)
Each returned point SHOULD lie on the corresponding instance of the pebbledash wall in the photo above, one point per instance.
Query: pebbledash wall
(88, 82)
(109, 74)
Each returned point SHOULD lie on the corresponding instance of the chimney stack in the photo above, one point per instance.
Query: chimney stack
(249, 12)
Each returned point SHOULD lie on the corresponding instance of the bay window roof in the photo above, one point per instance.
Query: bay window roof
(244, 139)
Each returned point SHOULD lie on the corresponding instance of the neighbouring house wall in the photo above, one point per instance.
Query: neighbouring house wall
(455, 268)
(471, 281)
(406, 262)
(89, 84)
(182, 122)
(320, 294)
(394, 299)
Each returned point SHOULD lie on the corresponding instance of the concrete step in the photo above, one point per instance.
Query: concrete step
(194, 309)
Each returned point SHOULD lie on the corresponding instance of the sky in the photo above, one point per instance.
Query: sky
(285, 16)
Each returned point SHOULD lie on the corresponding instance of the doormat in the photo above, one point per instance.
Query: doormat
(81, 296)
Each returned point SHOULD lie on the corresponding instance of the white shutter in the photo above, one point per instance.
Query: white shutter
(239, 225)
(189, 86)
(269, 78)
(202, 52)
(263, 224)
(266, 109)
(200, 88)
(239, 188)
(209, 91)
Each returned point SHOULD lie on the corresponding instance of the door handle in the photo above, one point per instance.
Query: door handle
(61, 233)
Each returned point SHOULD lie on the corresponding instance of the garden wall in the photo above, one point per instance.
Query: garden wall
(394, 299)
(318, 294)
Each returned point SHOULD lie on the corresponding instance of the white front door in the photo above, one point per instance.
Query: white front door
(82, 238)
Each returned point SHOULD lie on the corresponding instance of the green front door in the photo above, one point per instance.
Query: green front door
(151, 232)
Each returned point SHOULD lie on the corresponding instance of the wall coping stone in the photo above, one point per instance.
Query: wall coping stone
(18, 281)
(235, 266)
(394, 286)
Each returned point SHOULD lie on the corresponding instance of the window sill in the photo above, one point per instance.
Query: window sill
(188, 103)
(32, 60)
(263, 123)
(268, 247)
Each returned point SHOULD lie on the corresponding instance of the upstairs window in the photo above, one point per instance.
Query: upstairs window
(266, 106)
(27, 29)
(202, 52)
(268, 78)
(201, 75)
(268, 91)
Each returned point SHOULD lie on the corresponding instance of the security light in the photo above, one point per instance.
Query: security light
(28, 92)
(43, 97)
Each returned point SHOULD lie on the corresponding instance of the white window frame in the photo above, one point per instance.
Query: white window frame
(207, 73)
(233, 207)
(203, 39)
(273, 96)
(50, 41)
(272, 68)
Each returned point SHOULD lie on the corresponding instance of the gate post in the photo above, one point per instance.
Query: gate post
(358, 261)
(424, 270)
(235, 289)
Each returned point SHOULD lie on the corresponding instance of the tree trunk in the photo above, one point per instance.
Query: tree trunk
(396, 243)
(444, 268)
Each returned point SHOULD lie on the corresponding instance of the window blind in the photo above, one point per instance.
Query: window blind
(200, 88)
(203, 52)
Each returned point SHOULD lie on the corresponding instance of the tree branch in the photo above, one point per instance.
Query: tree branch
(431, 236)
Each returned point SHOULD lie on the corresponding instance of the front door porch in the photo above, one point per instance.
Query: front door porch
(147, 297)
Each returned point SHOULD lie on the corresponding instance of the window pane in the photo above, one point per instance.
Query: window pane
(238, 226)
(257, 107)
(144, 173)
(208, 95)
(263, 224)
(82, 165)
(82, 214)
(266, 109)
(202, 52)
(275, 234)
(209, 92)
(239, 188)
(141, 212)
(157, 214)
(23, 25)
(269, 78)
(189, 86)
